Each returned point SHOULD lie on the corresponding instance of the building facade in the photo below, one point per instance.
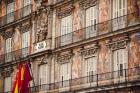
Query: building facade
(74, 46)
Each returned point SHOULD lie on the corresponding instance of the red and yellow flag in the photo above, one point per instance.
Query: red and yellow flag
(23, 77)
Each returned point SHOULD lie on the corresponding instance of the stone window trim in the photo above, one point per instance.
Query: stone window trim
(84, 4)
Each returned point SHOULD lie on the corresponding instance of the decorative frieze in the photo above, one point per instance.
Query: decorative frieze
(89, 51)
(24, 28)
(119, 44)
(64, 11)
(84, 4)
(61, 59)
(6, 72)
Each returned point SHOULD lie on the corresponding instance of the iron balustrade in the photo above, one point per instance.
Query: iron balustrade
(16, 15)
(15, 55)
(123, 76)
(97, 30)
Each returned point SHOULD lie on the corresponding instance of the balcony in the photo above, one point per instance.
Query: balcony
(15, 55)
(123, 78)
(107, 27)
(16, 15)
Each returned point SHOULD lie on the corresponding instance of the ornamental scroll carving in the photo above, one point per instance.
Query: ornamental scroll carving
(61, 59)
(89, 51)
(118, 45)
(64, 11)
(6, 72)
(84, 4)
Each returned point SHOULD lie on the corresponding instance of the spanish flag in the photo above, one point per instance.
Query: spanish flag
(23, 77)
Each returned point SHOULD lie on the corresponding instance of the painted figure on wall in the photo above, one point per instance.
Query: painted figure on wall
(133, 11)
(76, 66)
(77, 23)
(17, 42)
(104, 63)
(103, 15)
(1, 49)
(134, 53)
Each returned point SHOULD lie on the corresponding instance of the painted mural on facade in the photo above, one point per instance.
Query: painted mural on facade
(134, 54)
(104, 59)
(17, 42)
(103, 15)
(77, 23)
(76, 66)
(1, 49)
(133, 11)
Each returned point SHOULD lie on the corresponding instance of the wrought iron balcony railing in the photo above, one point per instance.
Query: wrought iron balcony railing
(16, 15)
(15, 55)
(98, 29)
(120, 77)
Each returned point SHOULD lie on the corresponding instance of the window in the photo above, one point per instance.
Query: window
(91, 21)
(120, 62)
(27, 7)
(66, 29)
(119, 10)
(7, 84)
(65, 74)
(91, 68)
(8, 56)
(44, 74)
(25, 43)
(10, 11)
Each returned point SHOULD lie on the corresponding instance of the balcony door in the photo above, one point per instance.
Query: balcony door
(25, 43)
(8, 56)
(65, 74)
(66, 30)
(91, 21)
(120, 64)
(44, 75)
(119, 13)
(10, 12)
(91, 68)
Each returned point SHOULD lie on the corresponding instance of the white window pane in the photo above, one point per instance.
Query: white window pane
(7, 84)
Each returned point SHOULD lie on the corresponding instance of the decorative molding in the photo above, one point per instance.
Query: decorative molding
(24, 28)
(8, 34)
(61, 59)
(6, 72)
(84, 4)
(89, 51)
(119, 44)
(64, 11)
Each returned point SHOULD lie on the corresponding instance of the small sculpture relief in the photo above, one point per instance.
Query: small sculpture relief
(42, 24)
